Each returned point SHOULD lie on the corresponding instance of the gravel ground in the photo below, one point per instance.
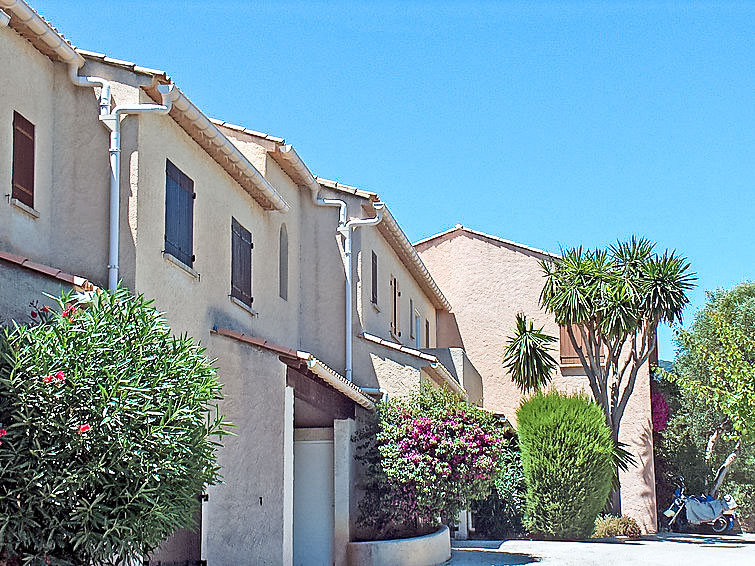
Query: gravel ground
(659, 550)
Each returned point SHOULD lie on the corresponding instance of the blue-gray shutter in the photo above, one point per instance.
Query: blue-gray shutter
(179, 214)
(241, 263)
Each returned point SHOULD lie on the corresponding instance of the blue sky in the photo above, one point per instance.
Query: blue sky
(550, 123)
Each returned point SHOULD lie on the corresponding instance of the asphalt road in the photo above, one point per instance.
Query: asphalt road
(659, 550)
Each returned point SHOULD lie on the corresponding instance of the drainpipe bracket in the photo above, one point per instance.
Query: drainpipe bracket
(109, 120)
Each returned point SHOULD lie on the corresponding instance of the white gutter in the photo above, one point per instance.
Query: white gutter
(4, 19)
(42, 30)
(345, 229)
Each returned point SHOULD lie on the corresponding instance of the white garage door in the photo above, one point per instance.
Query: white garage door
(313, 503)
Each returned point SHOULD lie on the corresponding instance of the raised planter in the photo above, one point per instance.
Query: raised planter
(427, 550)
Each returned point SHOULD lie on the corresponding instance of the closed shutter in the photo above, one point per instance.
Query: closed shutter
(427, 333)
(569, 356)
(374, 278)
(179, 214)
(283, 264)
(23, 160)
(411, 318)
(395, 316)
(241, 263)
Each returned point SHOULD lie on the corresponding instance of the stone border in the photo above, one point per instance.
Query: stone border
(427, 550)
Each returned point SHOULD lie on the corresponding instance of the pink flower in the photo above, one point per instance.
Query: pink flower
(69, 312)
(34, 314)
(45, 309)
(60, 376)
(3, 432)
(47, 378)
(84, 428)
(660, 411)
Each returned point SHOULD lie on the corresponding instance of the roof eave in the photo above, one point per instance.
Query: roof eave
(46, 39)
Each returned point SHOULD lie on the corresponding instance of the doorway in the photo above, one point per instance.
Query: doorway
(313, 497)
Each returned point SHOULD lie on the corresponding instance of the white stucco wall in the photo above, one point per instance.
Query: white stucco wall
(71, 163)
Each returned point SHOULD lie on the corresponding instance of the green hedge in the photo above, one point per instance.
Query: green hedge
(566, 451)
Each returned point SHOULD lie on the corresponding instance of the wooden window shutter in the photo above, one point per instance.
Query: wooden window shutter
(411, 318)
(241, 263)
(283, 264)
(374, 278)
(569, 356)
(23, 160)
(179, 214)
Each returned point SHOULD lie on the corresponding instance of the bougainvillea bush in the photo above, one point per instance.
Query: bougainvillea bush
(568, 461)
(426, 457)
(109, 428)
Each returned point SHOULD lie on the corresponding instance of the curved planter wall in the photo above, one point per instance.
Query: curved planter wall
(428, 550)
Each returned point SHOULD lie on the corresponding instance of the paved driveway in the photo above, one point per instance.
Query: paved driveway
(660, 550)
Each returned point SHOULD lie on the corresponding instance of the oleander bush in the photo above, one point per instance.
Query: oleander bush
(568, 461)
(613, 526)
(109, 432)
(426, 456)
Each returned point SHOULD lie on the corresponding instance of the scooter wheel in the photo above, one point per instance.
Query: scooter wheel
(720, 525)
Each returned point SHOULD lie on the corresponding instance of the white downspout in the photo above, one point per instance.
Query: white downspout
(112, 120)
(345, 229)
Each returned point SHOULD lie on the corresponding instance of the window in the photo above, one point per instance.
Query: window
(179, 214)
(283, 264)
(395, 295)
(22, 187)
(374, 279)
(569, 355)
(241, 263)
(427, 333)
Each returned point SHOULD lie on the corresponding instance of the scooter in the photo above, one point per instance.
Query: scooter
(704, 510)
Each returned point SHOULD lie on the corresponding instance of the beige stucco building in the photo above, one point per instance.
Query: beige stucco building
(489, 281)
(245, 250)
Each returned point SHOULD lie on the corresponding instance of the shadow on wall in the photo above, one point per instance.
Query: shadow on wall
(449, 335)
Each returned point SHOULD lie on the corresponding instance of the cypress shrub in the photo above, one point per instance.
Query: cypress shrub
(566, 451)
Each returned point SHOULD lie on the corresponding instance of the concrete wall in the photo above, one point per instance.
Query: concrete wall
(243, 519)
(488, 282)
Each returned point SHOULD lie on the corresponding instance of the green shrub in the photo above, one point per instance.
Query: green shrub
(426, 456)
(612, 526)
(567, 458)
(500, 515)
(108, 423)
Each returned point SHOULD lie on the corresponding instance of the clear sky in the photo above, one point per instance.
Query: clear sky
(550, 123)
